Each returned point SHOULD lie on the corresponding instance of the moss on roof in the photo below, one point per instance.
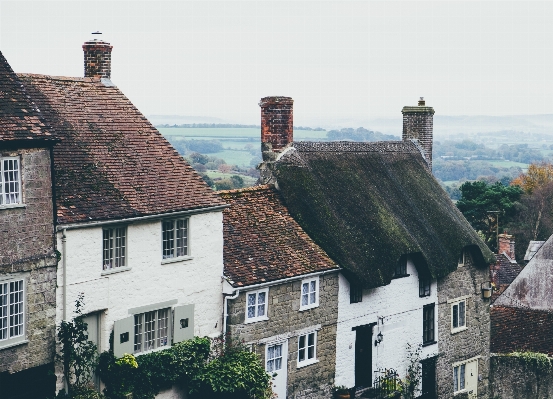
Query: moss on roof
(368, 204)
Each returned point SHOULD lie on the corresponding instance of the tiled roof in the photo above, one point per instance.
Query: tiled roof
(262, 242)
(19, 117)
(508, 269)
(111, 163)
(515, 329)
(368, 204)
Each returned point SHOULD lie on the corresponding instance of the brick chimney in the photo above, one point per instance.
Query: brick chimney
(277, 123)
(507, 245)
(97, 58)
(418, 123)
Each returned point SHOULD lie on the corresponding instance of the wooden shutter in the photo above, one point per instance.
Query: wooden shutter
(123, 336)
(183, 327)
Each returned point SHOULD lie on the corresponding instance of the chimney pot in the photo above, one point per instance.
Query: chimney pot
(97, 58)
(277, 122)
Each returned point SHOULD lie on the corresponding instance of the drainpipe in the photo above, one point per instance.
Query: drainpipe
(64, 266)
(225, 314)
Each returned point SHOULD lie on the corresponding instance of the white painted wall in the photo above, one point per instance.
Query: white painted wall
(196, 281)
(398, 310)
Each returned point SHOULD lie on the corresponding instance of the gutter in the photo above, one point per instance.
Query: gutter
(73, 226)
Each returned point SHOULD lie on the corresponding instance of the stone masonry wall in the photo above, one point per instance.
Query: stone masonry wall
(309, 382)
(513, 377)
(418, 124)
(27, 250)
(469, 343)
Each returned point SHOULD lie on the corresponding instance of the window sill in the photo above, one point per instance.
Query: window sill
(400, 276)
(116, 270)
(458, 330)
(25, 341)
(255, 320)
(178, 259)
(307, 363)
(307, 307)
(429, 343)
(12, 206)
(151, 350)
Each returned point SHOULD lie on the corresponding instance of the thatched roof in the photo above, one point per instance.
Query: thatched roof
(367, 204)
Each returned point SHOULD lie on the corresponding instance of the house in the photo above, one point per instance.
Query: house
(27, 247)
(505, 269)
(140, 233)
(281, 293)
(413, 268)
(522, 316)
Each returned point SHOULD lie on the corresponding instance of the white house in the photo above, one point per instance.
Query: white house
(140, 233)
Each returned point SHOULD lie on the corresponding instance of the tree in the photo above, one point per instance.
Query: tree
(479, 197)
(538, 175)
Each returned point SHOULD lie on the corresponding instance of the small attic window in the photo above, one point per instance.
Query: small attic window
(462, 258)
(401, 268)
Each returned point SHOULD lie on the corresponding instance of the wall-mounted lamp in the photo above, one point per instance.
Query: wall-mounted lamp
(378, 339)
(487, 289)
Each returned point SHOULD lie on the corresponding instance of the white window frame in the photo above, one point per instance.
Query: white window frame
(9, 337)
(4, 202)
(255, 306)
(305, 348)
(459, 384)
(118, 251)
(174, 247)
(140, 325)
(455, 306)
(308, 295)
(283, 362)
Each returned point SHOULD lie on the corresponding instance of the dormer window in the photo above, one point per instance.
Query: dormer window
(462, 258)
(401, 268)
(424, 286)
(10, 181)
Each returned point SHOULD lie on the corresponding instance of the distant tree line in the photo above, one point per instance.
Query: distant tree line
(230, 126)
(456, 150)
(359, 134)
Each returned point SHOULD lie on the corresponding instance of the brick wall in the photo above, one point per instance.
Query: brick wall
(418, 124)
(467, 344)
(27, 250)
(513, 377)
(309, 382)
(97, 59)
(277, 121)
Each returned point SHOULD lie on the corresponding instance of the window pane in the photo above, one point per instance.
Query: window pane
(162, 324)
(455, 379)
(108, 248)
(270, 365)
(168, 239)
(304, 294)
(301, 355)
(138, 319)
(302, 342)
(461, 314)
(455, 316)
(120, 244)
(462, 377)
(3, 311)
(261, 304)
(261, 297)
(251, 305)
(182, 237)
(16, 308)
(149, 330)
(311, 339)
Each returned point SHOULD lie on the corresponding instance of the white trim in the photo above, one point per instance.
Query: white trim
(12, 206)
(313, 360)
(458, 299)
(188, 254)
(155, 306)
(14, 343)
(116, 270)
(457, 302)
(308, 362)
(466, 361)
(309, 305)
(19, 170)
(256, 318)
(177, 259)
(4, 343)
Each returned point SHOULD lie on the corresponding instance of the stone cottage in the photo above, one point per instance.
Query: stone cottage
(27, 247)
(135, 223)
(281, 293)
(413, 268)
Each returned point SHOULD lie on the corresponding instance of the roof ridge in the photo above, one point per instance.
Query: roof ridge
(259, 187)
(59, 77)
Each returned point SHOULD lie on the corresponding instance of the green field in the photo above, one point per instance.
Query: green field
(508, 164)
(232, 134)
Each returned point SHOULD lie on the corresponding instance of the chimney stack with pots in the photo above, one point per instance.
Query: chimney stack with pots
(97, 58)
(418, 124)
(277, 123)
(507, 245)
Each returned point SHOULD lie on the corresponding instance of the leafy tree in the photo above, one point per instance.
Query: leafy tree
(538, 175)
(479, 197)
(196, 157)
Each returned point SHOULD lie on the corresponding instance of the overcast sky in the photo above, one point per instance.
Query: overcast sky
(339, 60)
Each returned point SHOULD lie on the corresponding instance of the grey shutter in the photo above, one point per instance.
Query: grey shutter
(123, 336)
(183, 327)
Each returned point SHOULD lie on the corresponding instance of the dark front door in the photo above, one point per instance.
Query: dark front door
(429, 378)
(363, 356)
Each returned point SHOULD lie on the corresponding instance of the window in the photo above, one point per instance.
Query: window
(462, 258)
(424, 286)
(355, 293)
(274, 358)
(115, 247)
(307, 349)
(401, 268)
(175, 238)
(309, 294)
(12, 309)
(256, 306)
(428, 324)
(458, 315)
(151, 330)
(459, 378)
(10, 181)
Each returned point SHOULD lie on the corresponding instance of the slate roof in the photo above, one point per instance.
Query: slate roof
(533, 247)
(367, 204)
(262, 242)
(111, 163)
(20, 120)
(509, 269)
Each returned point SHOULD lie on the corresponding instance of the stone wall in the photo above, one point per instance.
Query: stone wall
(418, 123)
(285, 319)
(472, 342)
(513, 377)
(27, 251)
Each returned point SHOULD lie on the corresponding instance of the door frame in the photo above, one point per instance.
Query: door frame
(366, 330)
(284, 369)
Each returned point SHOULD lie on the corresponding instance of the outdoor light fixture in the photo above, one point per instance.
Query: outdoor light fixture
(487, 289)
(378, 339)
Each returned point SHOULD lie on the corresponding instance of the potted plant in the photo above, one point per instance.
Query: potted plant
(341, 392)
